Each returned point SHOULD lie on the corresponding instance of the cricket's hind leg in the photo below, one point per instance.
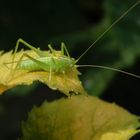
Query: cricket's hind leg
(16, 67)
(41, 65)
(37, 50)
(26, 45)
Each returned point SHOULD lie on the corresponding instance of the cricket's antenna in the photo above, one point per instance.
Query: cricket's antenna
(109, 68)
(108, 29)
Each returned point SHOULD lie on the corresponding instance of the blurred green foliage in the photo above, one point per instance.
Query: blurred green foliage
(119, 49)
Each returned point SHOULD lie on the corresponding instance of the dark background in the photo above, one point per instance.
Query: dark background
(77, 23)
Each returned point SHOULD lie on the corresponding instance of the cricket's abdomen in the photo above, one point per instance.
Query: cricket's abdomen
(54, 64)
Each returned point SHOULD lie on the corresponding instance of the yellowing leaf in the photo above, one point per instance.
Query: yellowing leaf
(120, 135)
(66, 83)
(80, 118)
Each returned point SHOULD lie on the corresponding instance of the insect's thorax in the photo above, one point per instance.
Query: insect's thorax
(54, 64)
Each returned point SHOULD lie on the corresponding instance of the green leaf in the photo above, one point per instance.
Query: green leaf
(80, 118)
